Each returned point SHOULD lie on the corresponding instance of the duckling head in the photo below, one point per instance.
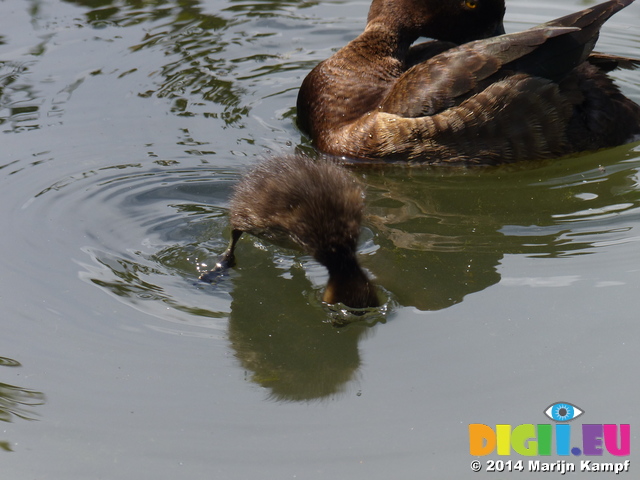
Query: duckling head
(348, 283)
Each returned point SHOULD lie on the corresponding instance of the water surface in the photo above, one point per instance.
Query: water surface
(124, 126)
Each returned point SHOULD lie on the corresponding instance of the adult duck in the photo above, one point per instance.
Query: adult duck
(467, 97)
(310, 205)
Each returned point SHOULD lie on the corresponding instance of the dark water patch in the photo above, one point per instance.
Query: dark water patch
(16, 402)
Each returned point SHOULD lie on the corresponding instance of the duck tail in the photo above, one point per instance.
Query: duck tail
(592, 17)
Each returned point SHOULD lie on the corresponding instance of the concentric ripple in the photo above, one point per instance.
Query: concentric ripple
(150, 230)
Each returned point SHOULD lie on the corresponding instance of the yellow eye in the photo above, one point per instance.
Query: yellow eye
(471, 4)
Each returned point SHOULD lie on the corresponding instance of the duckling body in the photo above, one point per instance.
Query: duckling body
(312, 206)
(535, 94)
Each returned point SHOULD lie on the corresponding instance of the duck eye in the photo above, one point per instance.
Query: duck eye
(471, 4)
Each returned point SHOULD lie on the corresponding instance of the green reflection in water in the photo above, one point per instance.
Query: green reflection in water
(19, 100)
(442, 233)
(277, 326)
(201, 49)
(193, 43)
(207, 68)
(282, 336)
(16, 402)
(432, 237)
(438, 235)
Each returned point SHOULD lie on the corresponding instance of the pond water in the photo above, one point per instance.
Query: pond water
(124, 126)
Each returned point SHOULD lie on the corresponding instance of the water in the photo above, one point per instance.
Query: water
(124, 126)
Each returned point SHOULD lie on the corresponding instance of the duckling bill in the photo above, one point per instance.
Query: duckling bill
(468, 96)
(312, 206)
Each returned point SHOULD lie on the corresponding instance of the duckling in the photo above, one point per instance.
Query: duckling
(313, 206)
(467, 97)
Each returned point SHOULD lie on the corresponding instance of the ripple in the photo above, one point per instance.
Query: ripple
(146, 230)
(150, 231)
(9, 362)
(17, 402)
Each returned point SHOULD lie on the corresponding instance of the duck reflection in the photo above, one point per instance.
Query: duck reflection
(443, 232)
(15, 401)
(433, 236)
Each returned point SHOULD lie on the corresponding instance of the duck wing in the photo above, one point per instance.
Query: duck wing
(589, 21)
(550, 51)
(449, 77)
(560, 55)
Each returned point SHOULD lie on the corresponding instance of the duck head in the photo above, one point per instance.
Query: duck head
(457, 21)
(348, 283)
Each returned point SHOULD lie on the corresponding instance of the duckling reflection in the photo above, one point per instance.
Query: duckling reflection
(313, 206)
(289, 352)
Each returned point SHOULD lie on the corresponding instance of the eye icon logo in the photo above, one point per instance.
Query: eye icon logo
(563, 412)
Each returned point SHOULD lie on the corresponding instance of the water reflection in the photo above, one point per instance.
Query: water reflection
(199, 57)
(432, 237)
(148, 259)
(169, 223)
(16, 402)
(210, 60)
(443, 233)
(291, 351)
